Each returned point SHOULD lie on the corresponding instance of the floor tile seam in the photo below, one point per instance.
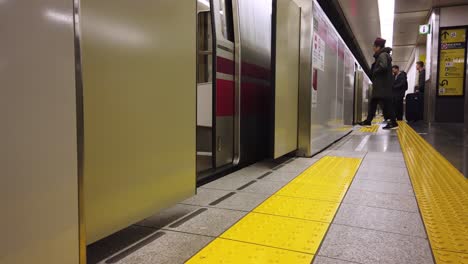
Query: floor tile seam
(186, 232)
(215, 207)
(350, 261)
(307, 198)
(269, 246)
(290, 217)
(379, 230)
(240, 191)
(379, 181)
(358, 188)
(400, 182)
(385, 208)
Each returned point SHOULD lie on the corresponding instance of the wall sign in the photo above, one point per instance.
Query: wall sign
(424, 29)
(451, 78)
(318, 58)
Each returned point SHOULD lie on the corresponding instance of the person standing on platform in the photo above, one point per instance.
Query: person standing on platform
(421, 78)
(382, 83)
(400, 85)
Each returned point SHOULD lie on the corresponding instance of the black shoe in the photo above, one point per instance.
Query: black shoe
(365, 123)
(391, 125)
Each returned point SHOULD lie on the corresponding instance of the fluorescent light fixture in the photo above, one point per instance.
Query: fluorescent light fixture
(204, 2)
(386, 14)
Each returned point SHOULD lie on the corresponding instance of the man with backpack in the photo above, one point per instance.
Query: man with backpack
(400, 85)
(382, 83)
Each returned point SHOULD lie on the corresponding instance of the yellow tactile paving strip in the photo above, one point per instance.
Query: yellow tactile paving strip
(342, 129)
(290, 225)
(442, 195)
(377, 120)
(371, 129)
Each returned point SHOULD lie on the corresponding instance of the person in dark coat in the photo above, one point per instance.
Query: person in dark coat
(400, 85)
(421, 78)
(382, 83)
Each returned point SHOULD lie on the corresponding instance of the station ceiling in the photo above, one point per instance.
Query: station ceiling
(363, 18)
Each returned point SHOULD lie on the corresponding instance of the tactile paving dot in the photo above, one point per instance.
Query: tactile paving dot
(277, 231)
(308, 209)
(234, 252)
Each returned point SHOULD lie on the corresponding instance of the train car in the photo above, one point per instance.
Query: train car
(273, 77)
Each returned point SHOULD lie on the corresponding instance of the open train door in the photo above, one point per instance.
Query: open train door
(285, 65)
(216, 98)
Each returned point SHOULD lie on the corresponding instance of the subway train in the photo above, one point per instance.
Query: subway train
(273, 78)
(257, 61)
(124, 108)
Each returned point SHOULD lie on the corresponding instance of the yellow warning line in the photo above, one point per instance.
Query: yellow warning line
(372, 129)
(442, 194)
(289, 226)
(378, 120)
(342, 129)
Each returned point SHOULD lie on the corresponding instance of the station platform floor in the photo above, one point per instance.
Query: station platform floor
(373, 197)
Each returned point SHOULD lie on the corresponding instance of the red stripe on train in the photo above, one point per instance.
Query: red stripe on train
(255, 71)
(224, 65)
(224, 98)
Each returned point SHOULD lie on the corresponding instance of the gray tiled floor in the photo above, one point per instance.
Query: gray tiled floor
(405, 223)
(382, 187)
(281, 176)
(383, 173)
(211, 222)
(382, 200)
(241, 201)
(172, 247)
(264, 187)
(377, 222)
(325, 260)
(370, 246)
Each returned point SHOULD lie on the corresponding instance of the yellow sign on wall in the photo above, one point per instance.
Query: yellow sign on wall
(452, 62)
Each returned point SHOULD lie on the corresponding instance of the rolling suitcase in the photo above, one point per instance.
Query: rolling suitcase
(414, 106)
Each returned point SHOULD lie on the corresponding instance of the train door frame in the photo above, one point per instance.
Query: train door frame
(228, 44)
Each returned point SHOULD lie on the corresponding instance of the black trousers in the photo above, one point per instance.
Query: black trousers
(388, 110)
(398, 107)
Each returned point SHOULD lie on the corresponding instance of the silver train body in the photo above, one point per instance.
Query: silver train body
(240, 116)
(141, 106)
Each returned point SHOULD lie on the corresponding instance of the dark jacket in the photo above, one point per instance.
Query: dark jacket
(421, 81)
(400, 85)
(382, 77)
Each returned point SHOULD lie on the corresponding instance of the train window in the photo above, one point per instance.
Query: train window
(227, 23)
(205, 50)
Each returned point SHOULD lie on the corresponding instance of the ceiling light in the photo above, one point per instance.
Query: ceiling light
(386, 14)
